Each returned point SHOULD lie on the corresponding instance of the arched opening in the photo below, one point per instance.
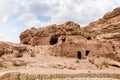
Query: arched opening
(79, 55)
(89, 38)
(87, 52)
(63, 40)
(53, 40)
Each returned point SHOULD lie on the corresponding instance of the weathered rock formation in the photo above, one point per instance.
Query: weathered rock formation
(42, 36)
(106, 28)
(66, 39)
(51, 34)
(9, 48)
(13, 48)
(98, 38)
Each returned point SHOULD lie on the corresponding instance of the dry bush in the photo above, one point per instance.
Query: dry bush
(77, 61)
(92, 61)
(32, 54)
(18, 55)
(105, 63)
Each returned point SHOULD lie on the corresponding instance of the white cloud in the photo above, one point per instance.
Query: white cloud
(37, 24)
(26, 17)
(80, 11)
(83, 12)
(8, 33)
(13, 30)
(1, 34)
(6, 9)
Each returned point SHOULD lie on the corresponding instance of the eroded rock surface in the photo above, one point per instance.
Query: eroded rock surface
(69, 39)
(106, 28)
(9, 48)
(42, 36)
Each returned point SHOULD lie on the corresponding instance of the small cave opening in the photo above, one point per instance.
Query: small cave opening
(89, 38)
(79, 55)
(63, 40)
(87, 52)
(53, 40)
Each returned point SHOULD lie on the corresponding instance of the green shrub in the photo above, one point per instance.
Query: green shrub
(18, 55)
(98, 56)
(92, 61)
(97, 65)
(106, 64)
(32, 54)
(77, 61)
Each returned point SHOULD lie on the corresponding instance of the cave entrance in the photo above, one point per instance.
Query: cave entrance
(79, 55)
(87, 52)
(53, 40)
(89, 38)
(63, 40)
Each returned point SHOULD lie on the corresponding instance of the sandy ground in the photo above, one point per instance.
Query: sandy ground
(45, 64)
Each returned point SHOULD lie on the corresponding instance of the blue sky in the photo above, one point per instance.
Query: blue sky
(19, 15)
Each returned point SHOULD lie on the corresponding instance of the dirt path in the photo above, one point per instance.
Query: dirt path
(59, 74)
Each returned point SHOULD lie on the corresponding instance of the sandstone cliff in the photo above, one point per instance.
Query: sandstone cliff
(10, 48)
(42, 36)
(106, 28)
(99, 37)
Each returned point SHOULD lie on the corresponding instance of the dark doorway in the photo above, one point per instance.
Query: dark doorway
(53, 40)
(79, 55)
(87, 52)
(88, 38)
(63, 40)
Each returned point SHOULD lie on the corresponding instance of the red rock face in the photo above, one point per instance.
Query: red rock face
(106, 28)
(42, 36)
(9, 48)
(99, 37)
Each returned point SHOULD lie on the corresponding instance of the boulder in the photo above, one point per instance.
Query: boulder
(43, 36)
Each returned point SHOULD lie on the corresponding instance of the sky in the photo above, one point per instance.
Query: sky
(18, 15)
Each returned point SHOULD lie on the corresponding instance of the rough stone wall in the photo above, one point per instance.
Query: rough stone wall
(99, 48)
(71, 49)
(106, 28)
(42, 36)
(67, 49)
(9, 48)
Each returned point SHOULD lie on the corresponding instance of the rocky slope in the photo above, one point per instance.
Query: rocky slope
(106, 28)
(10, 48)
